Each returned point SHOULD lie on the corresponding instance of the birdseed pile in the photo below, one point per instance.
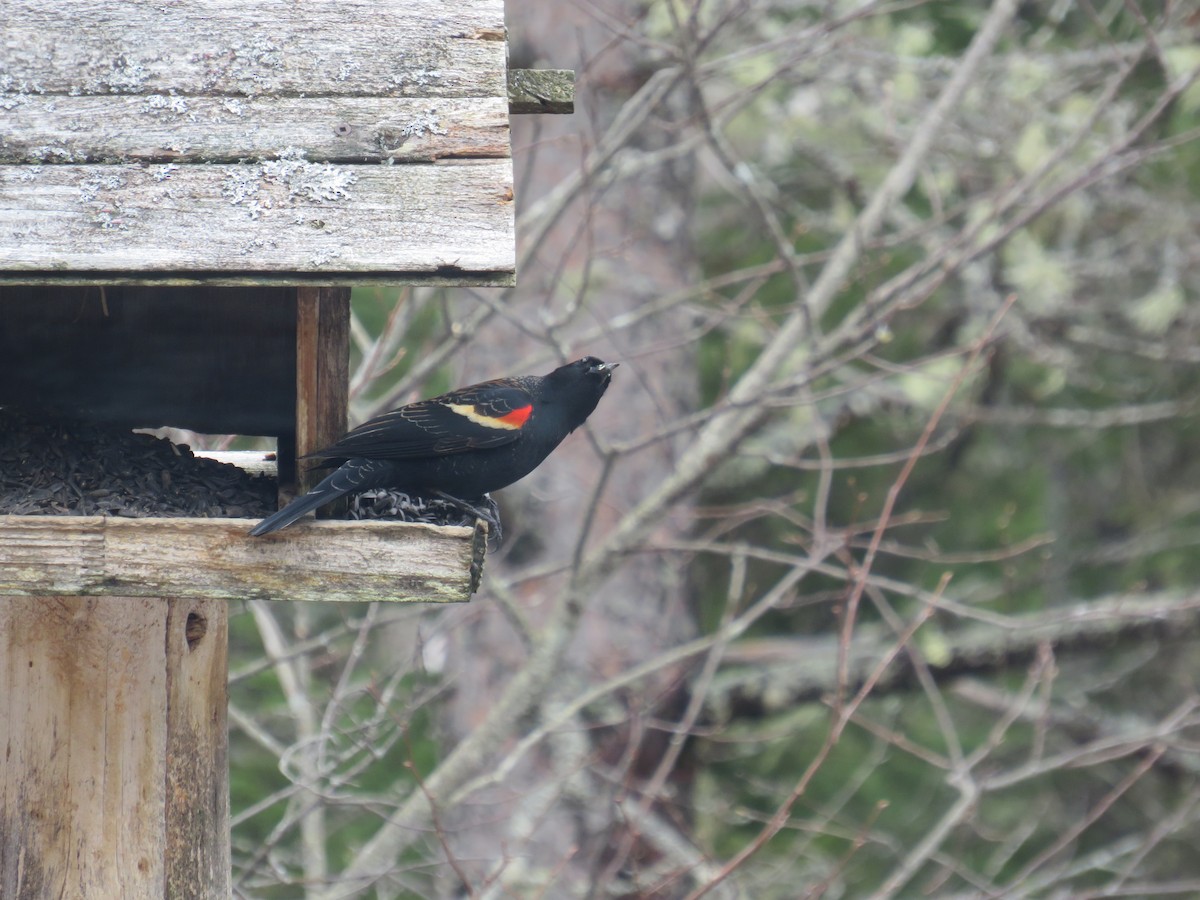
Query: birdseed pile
(384, 504)
(60, 468)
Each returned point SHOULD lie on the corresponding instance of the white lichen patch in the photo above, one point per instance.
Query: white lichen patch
(262, 51)
(418, 77)
(313, 181)
(17, 92)
(123, 76)
(324, 257)
(273, 183)
(90, 188)
(52, 153)
(424, 123)
(258, 246)
(241, 186)
(100, 195)
(165, 104)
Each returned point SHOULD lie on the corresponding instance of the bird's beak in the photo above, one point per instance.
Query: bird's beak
(606, 367)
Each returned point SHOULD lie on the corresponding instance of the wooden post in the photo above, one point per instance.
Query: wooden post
(113, 725)
(322, 386)
(322, 372)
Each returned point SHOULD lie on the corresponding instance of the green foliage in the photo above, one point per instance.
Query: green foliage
(1023, 512)
(381, 752)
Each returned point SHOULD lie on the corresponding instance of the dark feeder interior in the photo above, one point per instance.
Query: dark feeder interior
(81, 367)
(213, 360)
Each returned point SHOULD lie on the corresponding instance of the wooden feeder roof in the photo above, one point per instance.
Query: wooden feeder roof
(256, 142)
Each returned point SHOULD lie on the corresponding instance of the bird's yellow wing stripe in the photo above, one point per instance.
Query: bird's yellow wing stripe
(509, 422)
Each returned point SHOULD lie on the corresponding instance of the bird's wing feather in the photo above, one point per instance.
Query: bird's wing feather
(478, 417)
(356, 475)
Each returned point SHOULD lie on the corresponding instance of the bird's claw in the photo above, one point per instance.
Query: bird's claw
(484, 508)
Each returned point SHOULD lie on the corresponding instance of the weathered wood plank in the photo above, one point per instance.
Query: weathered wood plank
(541, 91)
(216, 559)
(251, 279)
(287, 216)
(406, 48)
(351, 83)
(162, 129)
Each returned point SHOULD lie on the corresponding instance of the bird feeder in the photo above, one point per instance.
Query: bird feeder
(187, 194)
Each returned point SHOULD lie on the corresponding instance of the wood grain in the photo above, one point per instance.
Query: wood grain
(402, 48)
(381, 221)
(83, 696)
(196, 843)
(115, 781)
(175, 129)
(216, 559)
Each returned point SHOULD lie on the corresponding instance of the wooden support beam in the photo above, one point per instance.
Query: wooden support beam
(197, 798)
(322, 374)
(112, 716)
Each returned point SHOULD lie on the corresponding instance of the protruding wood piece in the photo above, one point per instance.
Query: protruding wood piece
(541, 91)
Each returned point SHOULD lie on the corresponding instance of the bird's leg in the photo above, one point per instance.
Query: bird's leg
(490, 514)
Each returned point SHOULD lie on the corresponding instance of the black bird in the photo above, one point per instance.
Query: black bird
(461, 445)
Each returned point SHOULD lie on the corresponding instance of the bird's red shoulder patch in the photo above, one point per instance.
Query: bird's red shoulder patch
(510, 421)
(518, 416)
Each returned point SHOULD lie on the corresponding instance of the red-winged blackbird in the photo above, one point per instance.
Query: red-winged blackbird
(461, 445)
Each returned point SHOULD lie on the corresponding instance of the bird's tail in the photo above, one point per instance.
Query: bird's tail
(353, 475)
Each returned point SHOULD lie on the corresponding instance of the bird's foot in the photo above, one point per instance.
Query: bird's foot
(483, 508)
